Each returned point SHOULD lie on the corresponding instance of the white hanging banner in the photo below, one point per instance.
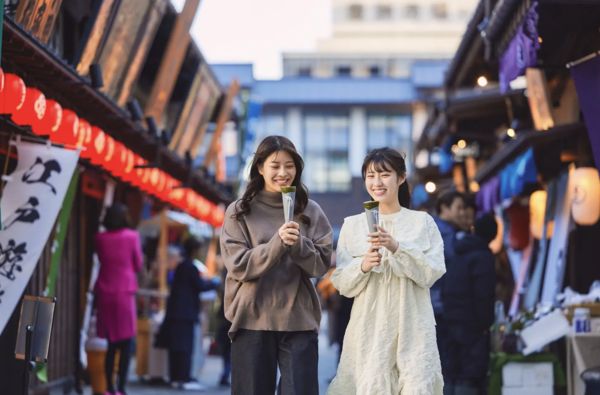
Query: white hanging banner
(30, 203)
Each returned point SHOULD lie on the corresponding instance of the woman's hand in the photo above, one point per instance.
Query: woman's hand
(372, 258)
(383, 239)
(289, 233)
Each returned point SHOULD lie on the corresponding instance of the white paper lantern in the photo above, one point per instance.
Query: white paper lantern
(496, 244)
(537, 211)
(586, 196)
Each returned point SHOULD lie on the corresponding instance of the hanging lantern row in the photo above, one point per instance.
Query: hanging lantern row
(28, 106)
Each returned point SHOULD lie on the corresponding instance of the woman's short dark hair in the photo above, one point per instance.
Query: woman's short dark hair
(446, 199)
(116, 217)
(256, 183)
(486, 227)
(386, 159)
(191, 246)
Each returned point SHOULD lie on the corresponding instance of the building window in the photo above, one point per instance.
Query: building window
(326, 153)
(439, 11)
(412, 11)
(304, 72)
(355, 12)
(375, 71)
(383, 12)
(271, 124)
(390, 130)
(343, 71)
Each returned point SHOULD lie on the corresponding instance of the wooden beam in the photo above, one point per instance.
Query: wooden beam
(199, 118)
(38, 17)
(97, 34)
(145, 38)
(232, 92)
(171, 62)
(187, 112)
(115, 55)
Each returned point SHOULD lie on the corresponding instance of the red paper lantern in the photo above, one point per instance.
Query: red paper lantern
(97, 150)
(84, 138)
(119, 160)
(50, 123)
(109, 152)
(13, 94)
(128, 169)
(1, 81)
(33, 109)
(67, 131)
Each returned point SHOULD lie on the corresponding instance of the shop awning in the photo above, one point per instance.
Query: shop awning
(524, 141)
(25, 56)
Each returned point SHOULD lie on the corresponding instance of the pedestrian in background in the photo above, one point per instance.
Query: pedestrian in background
(469, 296)
(183, 313)
(390, 344)
(269, 296)
(120, 255)
(450, 220)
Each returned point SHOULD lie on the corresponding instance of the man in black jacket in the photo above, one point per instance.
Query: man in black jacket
(183, 311)
(468, 295)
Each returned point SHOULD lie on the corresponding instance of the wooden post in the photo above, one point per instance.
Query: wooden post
(232, 92)
(171, 62)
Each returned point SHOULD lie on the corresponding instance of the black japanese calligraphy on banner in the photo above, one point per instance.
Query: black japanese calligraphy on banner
(30, 203)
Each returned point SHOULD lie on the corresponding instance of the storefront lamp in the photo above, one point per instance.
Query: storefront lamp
(586, 196)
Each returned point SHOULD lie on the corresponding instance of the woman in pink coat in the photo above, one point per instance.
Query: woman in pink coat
(120, 256)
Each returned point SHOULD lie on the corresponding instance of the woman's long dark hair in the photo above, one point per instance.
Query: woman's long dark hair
(386, 159)
(266, 147)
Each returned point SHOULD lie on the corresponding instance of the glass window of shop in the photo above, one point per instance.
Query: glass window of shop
(326, 152)
(390, 130)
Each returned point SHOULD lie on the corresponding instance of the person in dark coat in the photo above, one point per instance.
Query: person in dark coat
(468, 294)
(183, 312)
(450, 208)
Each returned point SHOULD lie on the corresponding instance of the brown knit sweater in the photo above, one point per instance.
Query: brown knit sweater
(268, 284)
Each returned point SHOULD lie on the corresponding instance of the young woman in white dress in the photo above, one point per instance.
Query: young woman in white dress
(390, 344)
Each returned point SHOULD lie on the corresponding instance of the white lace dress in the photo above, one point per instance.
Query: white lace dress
(390, 344)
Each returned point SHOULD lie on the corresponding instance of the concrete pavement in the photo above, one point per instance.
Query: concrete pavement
(211, 372)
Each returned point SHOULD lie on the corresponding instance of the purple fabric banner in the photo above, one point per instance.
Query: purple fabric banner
(587, 83)
(488, 195)
(521, 52)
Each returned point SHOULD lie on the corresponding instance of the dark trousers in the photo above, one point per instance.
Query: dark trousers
(180, 366)
(124, 347)
(255, 356)
(467, 359)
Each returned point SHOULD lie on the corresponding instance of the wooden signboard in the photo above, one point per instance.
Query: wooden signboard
(539, 99)
(171, 62)
(38, 17)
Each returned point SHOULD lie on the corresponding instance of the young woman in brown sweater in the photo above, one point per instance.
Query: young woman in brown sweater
(269, 296)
